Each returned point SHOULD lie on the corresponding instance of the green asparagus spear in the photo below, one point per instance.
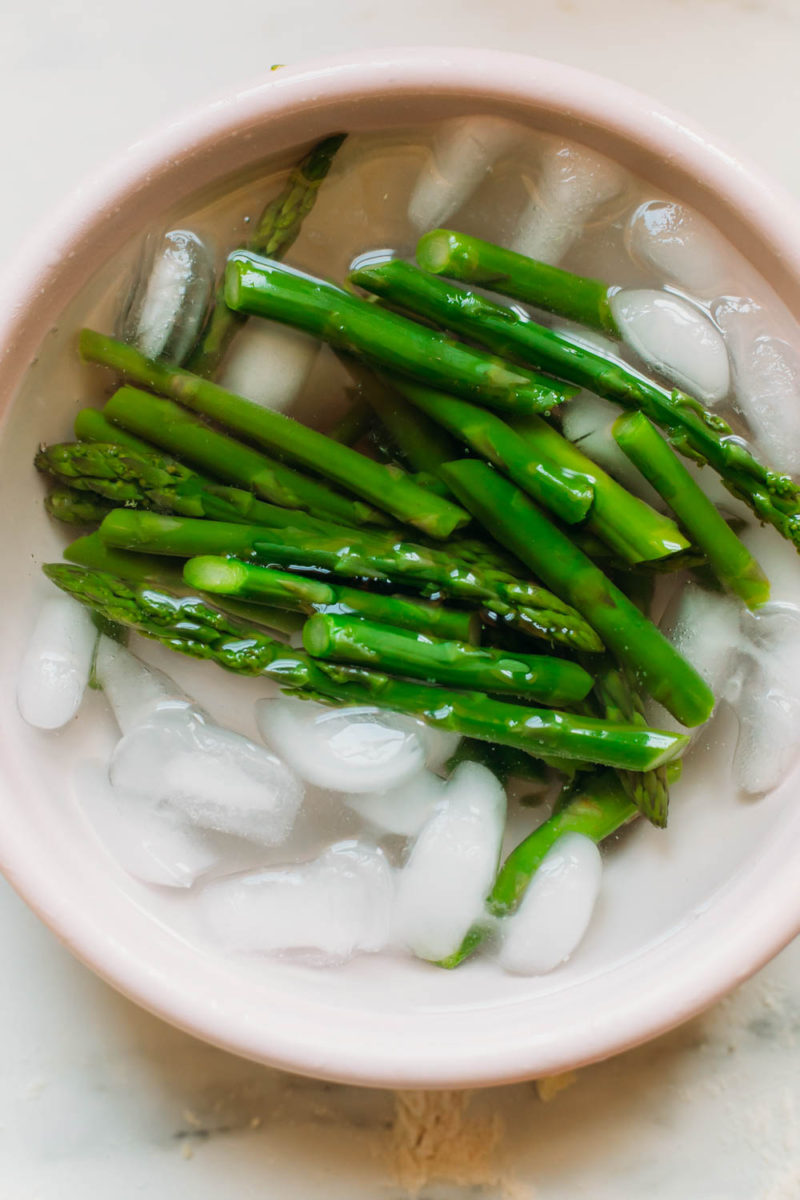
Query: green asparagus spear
(275, 231)
(596, 808)
(370, 480)
(192, 440)
(728, 557)
(619, 701)
(424, 443)
(539, 458)
(76, 507)
(355, 424)
(567, 494)
(191, 626)
(693, 430)
(445, 252)
(420, 656)
(516, 523)
(432, 572)
(502, 761)
(148, 480)
(260, 287)
(162, 572)
(93, 426)
(231, 577)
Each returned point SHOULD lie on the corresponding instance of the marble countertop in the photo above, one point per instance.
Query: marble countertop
(98, 1097)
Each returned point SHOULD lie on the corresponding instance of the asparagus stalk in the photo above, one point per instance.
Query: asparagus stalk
(619, 701)
(275, 231)
(692, 430)
(260, 287)
(355, 423)
(191, 626)
(75, 507)
(189, 438)
(728, 557)
(420, 656)
(432, 514)
(91, 425)
(148, 480)
(432, 572)
(91, 552)
(231, 577)
(597, 807)
(445, 252)
(516, 523)
(548, 467)
(502, 761)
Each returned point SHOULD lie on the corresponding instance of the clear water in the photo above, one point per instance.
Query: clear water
(364, 205)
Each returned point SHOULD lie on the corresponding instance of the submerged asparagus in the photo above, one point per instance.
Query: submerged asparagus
(75, 507)
(596, 807)
(190, 439)
(275, 231)
(148, 480)
(231, 577)
(537, 458)
(516, 523)
(263, 288)
(372, 481)
(728, 557)
(366, 556)
(419, 656)
(692, 430)
(191, 626)
(162, 572)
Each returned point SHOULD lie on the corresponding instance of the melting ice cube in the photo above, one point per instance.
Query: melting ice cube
(55, 667)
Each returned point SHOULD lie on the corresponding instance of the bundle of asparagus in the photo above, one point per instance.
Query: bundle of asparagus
(219, 519)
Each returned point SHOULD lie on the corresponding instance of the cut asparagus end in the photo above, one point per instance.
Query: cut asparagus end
(210, 573)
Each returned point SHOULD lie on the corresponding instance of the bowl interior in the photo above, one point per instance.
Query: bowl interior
(683, 914)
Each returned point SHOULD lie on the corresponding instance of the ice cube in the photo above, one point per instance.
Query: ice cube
(167, 306)
(330, 908)
(269, 364)
(678, 245)
(216, 778)
(676, 338)
(573, 184)
(55, 668)
(154, 845)
(766, 376)
(555, 910)
(464, 151)
(768, 706)
(359, 749)
(403, 809)
(705, 628)
(134, 691)
(442, 888)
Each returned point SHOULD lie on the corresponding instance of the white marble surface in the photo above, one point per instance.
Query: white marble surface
(97, 1097)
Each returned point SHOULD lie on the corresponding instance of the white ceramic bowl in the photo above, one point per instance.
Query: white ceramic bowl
(685, 917)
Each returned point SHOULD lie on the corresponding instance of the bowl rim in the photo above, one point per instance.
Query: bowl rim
(656, 998)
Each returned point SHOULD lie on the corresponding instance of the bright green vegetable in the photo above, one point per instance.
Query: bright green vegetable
(231, 577)
(75, 507)
(517, 524)
(263, 288)
(191, 440)
(429, 570)
(420, 656)
(275, 231)
(372, 481)
(557, 475)
(692, 429)
(596, 808)
(445, 252)
(191, 626)
(728, 557)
